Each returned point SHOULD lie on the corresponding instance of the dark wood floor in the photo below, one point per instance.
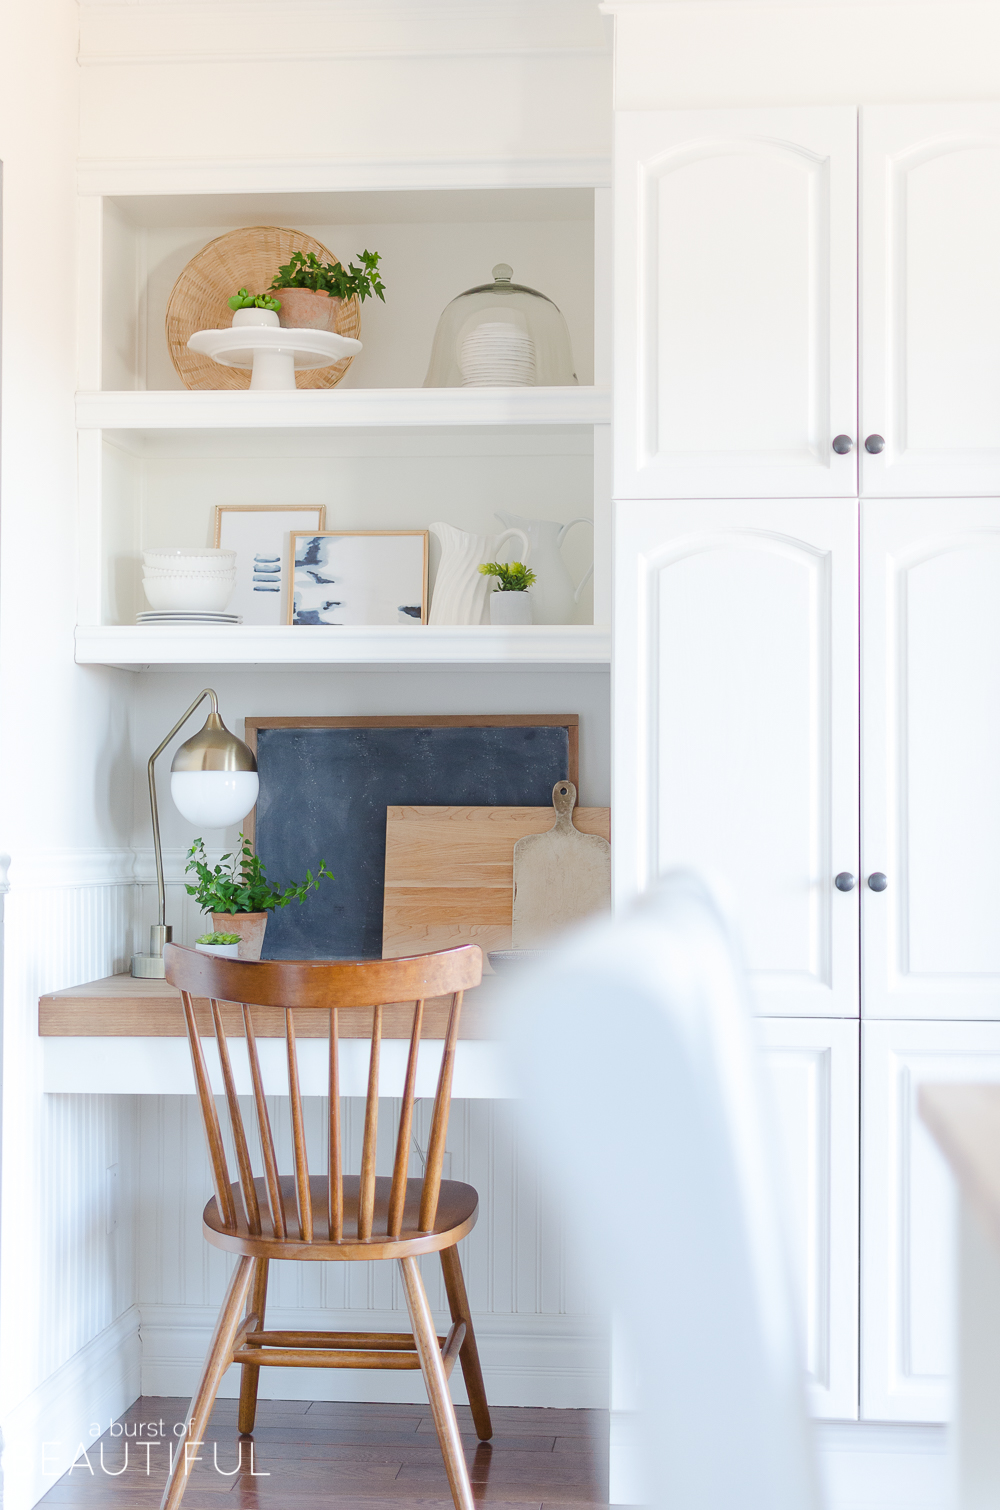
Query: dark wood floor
(328, 1456)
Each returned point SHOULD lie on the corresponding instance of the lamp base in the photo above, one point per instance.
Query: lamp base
(148, 967)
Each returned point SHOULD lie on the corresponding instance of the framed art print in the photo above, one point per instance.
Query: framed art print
(260, 535)
(358, 577)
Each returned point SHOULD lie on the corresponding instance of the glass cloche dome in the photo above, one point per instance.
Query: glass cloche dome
(501, 334)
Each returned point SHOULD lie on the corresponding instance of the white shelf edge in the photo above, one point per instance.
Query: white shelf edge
(335, 408)
(131, 647)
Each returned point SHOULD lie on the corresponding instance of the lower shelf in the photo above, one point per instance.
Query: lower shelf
(133, 646)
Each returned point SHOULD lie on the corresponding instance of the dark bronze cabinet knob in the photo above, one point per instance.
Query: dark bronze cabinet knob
(874, 444)
(844, 882)
(842, 444)
(878, 881)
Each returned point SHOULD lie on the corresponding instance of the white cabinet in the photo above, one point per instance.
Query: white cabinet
(813, 1075)
(735, 711)
(907, 1226)
(735, 302)
(930, 317)
(930, 571)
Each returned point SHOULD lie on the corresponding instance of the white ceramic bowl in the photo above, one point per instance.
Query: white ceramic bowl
(227, 574)
(189, 558)
(200, 594)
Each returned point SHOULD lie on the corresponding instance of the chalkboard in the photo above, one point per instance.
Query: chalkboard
(325, 785)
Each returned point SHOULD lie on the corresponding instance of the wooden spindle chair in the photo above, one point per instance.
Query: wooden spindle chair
(334, 1217)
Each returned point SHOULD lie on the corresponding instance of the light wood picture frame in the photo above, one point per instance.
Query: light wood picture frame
(357, 577)
(259, 533)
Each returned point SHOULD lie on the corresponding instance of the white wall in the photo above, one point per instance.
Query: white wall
(67, 1331)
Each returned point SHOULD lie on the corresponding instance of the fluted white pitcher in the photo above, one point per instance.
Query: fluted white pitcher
(553, 596)
(461, 592)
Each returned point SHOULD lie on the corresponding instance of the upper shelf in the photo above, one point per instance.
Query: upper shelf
(341, 408)
(133, 646)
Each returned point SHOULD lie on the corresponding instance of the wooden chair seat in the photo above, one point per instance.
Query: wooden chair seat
(458, 1207)
(335, 1217)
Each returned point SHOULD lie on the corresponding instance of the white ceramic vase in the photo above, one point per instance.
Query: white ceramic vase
(461, 592)
(510, 607)
(553, 595)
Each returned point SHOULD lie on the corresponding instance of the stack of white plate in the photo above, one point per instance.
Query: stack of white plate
(497, 354)
(190, 579)
(183, 616)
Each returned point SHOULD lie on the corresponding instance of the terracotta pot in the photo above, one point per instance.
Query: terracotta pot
(304, 309)
(250, 927)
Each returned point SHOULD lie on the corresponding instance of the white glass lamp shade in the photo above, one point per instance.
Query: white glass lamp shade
(501, 334)
(214, 799)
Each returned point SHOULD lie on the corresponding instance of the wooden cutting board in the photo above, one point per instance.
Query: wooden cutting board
(449, 873)
(560, 877)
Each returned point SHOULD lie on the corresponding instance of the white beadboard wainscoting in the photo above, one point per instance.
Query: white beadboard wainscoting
(70, 1348)
(538, 1345)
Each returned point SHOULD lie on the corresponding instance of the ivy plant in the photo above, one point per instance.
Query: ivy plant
(243, 300)
(239, 882)
(304, 270)
(513, 578)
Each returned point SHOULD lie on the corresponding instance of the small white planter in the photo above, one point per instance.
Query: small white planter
(222, 951)
(510, 607)
(253, 316)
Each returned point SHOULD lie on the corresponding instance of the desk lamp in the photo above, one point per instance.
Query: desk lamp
(213, 781)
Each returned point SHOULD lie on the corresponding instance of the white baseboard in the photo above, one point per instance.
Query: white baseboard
(44, 1432)
(527, 1360)
(868, 1465)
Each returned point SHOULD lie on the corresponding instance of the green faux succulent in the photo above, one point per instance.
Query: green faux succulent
(514, 577)
(243, 300)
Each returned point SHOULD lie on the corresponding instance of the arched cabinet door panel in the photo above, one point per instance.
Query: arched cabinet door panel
(931, 809)
(735, 303)
(736, 727)
(930, 313)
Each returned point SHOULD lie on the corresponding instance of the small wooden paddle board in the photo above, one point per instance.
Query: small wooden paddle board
(560, 876)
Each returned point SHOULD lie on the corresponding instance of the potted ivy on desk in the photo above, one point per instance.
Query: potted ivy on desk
(238, 894)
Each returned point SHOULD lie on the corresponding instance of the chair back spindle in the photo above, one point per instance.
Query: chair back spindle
(300, 986)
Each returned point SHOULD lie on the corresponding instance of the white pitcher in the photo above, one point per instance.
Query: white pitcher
(461, 592)
(553, 596)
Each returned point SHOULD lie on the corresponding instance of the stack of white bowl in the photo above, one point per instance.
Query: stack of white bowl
(497, 354)
(188, 579)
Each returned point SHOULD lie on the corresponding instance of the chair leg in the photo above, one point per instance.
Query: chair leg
(249, 1375)
(220, 1355)
(442, 1409)
(458, 1301)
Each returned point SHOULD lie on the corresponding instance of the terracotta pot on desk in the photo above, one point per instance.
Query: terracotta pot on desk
(250, 927)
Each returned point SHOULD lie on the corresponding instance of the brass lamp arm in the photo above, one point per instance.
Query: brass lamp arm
(160, 891)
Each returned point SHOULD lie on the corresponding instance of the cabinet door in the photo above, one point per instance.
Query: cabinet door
(813, 1069)
(735, 302)
(931, 810)
(907, 1221)
(736, 727)
(930, 314)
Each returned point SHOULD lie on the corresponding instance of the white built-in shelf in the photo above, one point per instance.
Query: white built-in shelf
(314, 408)
(132, 647)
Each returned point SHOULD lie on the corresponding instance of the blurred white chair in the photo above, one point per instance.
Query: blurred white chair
(636, 1049)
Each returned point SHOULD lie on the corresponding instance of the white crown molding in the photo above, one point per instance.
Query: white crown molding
(315, 31)
(254, 176)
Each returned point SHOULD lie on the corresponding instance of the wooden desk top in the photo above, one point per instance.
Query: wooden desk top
(965, 1123)
(121, 1007)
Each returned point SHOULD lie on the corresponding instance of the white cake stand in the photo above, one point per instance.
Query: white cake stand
(274, 355)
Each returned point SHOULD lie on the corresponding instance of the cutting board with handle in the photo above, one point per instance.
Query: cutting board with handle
(560, 876)
(449, 873)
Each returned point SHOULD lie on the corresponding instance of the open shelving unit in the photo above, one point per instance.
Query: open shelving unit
(379, 450)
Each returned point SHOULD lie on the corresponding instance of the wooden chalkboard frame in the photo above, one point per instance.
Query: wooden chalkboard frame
(568, 721)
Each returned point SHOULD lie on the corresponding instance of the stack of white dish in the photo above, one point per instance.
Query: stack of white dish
(497, 354)
(185, 581)
(181, 616)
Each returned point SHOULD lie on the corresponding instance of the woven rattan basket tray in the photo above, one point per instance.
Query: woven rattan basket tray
(247, 258)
